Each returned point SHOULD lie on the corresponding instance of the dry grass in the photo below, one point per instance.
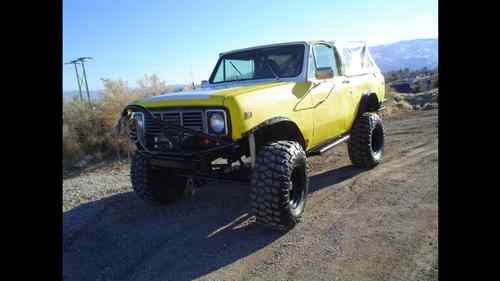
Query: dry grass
(89, 130)
(398, 102)
(395, 103)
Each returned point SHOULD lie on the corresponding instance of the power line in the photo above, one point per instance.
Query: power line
(81, 81)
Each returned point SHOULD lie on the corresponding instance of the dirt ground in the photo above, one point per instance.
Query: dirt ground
(380, 224)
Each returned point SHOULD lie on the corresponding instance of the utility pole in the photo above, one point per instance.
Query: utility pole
(79, 86)
(86, 84)
(83, 80)
(191, 75)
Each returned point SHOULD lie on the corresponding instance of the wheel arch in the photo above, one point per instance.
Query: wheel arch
(369, 102)
(277, 128)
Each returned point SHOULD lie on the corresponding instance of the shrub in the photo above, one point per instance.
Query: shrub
(151, 85)
(395, 103)
(71, 146)
(90, 130)
(404, 105)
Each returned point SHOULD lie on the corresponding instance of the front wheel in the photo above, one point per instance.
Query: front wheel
(157, 186)
(366, 145)
(280, 184)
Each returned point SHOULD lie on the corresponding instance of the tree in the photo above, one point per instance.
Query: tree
(151, 85)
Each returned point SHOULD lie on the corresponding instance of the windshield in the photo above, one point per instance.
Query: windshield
(264, 63)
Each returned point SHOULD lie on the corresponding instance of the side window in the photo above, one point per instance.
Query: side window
(325, 58)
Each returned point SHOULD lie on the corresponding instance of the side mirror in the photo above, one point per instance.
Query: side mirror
(324, 73)
(204, 83)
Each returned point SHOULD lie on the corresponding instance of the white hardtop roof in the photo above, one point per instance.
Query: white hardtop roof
(310, 42)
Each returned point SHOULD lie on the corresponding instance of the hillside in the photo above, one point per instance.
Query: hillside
(412, 54)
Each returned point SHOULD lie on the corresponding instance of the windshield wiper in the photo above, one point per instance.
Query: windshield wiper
(235, 68)
(266, 62)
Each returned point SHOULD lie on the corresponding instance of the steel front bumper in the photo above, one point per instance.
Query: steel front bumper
(176, 155)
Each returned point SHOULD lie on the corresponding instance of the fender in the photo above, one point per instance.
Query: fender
(368, 103)
(276, 121)
(268, 122)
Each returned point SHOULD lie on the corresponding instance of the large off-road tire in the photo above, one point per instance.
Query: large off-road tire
(366, 144)
(157, 186)
(280, 184)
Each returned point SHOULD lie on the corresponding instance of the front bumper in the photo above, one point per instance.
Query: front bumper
(173, 151)
(198, 163)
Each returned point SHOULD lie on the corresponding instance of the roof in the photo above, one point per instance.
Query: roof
(265, 46)
(309, 42)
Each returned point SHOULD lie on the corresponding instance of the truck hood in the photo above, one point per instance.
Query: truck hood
(212, 96)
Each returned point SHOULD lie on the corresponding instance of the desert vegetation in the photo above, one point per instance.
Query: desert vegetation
(88, 130)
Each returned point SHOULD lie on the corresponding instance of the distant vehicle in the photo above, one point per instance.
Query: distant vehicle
(261, 113)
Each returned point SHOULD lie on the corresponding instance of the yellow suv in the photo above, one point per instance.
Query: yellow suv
(261, 113)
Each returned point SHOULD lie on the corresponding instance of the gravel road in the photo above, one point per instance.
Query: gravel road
(380, 224)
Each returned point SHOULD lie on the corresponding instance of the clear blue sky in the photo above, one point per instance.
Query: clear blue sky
(131, 38)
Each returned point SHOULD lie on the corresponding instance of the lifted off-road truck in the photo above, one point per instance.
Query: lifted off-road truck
(262, 112)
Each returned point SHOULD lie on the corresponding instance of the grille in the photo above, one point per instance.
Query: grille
(192, 119)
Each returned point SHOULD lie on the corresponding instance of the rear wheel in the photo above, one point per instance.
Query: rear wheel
(366, 145)
(280, 184)
(153, 184)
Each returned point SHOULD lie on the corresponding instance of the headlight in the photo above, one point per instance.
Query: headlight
(138, 119)
(217, 122)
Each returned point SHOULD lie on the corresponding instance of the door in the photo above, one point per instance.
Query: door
(331, 100)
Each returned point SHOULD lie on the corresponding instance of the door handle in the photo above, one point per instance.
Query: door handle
(346, 82)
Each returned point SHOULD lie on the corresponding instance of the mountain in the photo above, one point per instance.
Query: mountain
(68, 95)
(412, 54)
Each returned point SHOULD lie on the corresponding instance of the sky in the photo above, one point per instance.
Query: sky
(180, 41)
